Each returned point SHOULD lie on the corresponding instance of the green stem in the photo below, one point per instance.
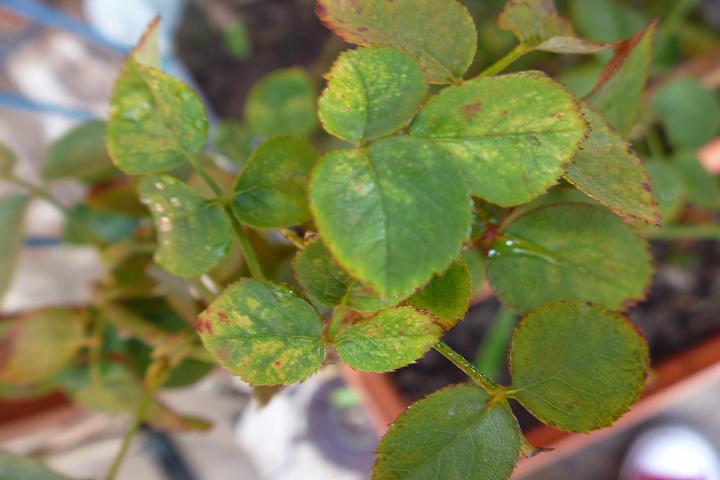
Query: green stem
(468, 368)
(497, 67)
(37, 191)
(293, 237)
(247, 249)
(130, 434)
(205, 176)
(679, 12)
(339, 313)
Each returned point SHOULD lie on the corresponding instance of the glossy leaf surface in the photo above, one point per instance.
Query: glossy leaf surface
(441, 35)
(512, 134)
(388, 340)
(575, 252)
(453, 433)
(378, 212)
(271, 191)
(194, 234)
(371, 92)
(583, 376)
(606, 168)
(263, 332)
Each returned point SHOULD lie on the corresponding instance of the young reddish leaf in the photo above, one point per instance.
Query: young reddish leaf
(156, 121)
(606, 168)
(282, 103)
(12, 218)
(688, 112)
(441, 35)
(446, 296)
(585, 374)
(271, 191)
(328, 284)
(453, 433)
(81, 154)
(371, 92)
(618, 93)
(194, 234)
(263, 332)
(388, 340)
(35, 346)
(381, 209)
(574, 252)
(512, 134)
(537, 25)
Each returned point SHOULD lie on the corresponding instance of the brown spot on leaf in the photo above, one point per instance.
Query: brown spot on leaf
(203, 326)
(470, 110)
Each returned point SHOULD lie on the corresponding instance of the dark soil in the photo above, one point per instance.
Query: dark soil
(682, 309)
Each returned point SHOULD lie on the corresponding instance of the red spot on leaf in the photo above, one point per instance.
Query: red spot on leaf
(470, 110)
(203, 326)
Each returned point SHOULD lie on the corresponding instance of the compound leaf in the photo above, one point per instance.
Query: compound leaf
(38, 345)
(263, 332)
(326, 283)
(446, 296)
(441, 35)
(618, 93)
(12, 217)
(453, 433)
(371, 92)
(271, 191)
(573, 251)
(194, 234)
(606, 168)
(381, 209)
(585, 374)
(512, 134)
(537, 25)
(282, 103)
(388, 340)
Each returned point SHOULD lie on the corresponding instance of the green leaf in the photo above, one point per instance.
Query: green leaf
(378, 213)
(15, 467)
(282, 103)
(12, 219)
(606, 168)
(233, 141)
(573, 252)
(537, 25)
(371, 92)
(455, 433)
(194, 234)
(618, 94)
(87, 225)
(81, 154)
(38, 345)
(271, 191)
(118, 196)
(446, 297)
(156, 121)
(388, 340)
(7, 161)
(441, 35)
(689, 113)
(667, 186)
(576, 366)
(701, 188)
(512, 134)
(263, 332)
(605, 20)
(328, 284)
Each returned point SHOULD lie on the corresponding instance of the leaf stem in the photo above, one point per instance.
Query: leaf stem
(293, 237)
(205, 175)
(247, 249)
(339, 313)
(497, 67)
(468, 368)
(36, 190)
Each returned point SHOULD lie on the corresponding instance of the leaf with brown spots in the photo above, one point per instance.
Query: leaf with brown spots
(388, 340)
(441, 35)
(263, 332)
